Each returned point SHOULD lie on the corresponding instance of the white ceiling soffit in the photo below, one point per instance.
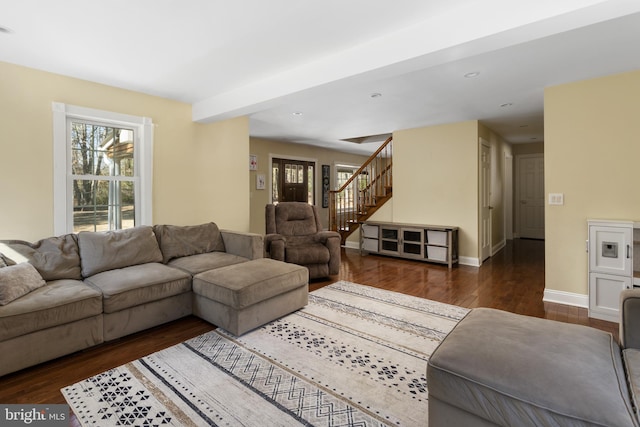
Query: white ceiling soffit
(452, 34)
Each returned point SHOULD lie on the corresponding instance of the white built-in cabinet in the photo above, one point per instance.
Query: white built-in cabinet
(611, 265)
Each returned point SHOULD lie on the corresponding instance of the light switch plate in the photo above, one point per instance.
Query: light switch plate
(556, 198)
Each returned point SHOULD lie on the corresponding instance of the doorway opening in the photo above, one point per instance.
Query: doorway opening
(530, 196)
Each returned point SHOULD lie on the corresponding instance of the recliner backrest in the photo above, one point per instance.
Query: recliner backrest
(292, 219)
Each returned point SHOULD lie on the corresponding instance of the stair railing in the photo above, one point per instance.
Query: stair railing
(359, 194)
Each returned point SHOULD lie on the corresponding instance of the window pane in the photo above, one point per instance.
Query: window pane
(310, 194)
(120, 152)
(103, 205)
(294, 174)
(101, 150)
(275, 179)
(347, 198)
(86, 158)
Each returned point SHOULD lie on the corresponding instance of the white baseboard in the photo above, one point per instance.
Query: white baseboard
(567, 298)
(496, 248)
(351, 245)
(465, 260)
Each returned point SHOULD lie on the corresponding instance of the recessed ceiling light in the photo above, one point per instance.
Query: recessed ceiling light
(376, 95)
(524, 126)
(297, 113)
(506, 104)
(472, 74)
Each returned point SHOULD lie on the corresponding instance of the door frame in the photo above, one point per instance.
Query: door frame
(316, 173)
(508, 196)
(484, 196)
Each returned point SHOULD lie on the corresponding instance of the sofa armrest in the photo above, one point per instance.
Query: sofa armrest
(248, 245)
(630, 318)
(274, 246)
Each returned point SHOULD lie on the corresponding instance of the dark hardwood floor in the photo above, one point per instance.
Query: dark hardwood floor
(512, 280)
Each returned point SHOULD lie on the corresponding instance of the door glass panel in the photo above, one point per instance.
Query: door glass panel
(275, 182)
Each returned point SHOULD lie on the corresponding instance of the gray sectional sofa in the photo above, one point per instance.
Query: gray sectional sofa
(77, 291)
(503, 369)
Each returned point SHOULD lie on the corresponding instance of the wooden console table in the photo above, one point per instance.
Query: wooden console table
(431, 243)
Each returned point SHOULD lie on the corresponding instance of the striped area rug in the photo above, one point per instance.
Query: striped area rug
(354, 356)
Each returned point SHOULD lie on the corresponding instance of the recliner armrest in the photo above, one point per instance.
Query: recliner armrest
(332, 240)
(274, 246)
(630, 318)
(324, 236)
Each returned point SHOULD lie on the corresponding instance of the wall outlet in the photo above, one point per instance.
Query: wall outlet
(556, 198)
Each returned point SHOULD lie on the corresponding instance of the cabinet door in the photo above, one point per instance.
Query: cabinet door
(389, 240)
(412, 242)
(369, 238)
(604, 295)
(370, 231)
(610, 249)
(370, 245)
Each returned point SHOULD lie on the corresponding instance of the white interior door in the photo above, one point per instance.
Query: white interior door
(485, 199)
(508, 196)
(530, 197)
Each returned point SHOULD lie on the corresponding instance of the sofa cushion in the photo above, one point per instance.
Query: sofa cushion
(511, 369)
(195, 264)
(178, 241)
(55, 258)
(139, 284)
(18, 280)
(242, 285)
(102, 251)
(57, 303)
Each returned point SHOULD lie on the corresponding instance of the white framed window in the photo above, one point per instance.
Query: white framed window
(348, 199)
(102, 169)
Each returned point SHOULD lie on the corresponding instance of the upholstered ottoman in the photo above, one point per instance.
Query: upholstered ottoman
(243, 296)
(500, 368)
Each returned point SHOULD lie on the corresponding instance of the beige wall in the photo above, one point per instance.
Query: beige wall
(263, 148)
(190, 160)
(591, 155)
(435, 179)
(200, 170)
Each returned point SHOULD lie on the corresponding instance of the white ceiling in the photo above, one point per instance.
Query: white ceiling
(271, 59)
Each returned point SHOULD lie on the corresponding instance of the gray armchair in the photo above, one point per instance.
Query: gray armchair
(295, 235)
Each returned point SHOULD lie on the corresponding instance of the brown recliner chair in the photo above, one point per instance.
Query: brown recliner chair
(295, 235)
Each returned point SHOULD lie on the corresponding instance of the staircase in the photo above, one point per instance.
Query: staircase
(363, 194)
